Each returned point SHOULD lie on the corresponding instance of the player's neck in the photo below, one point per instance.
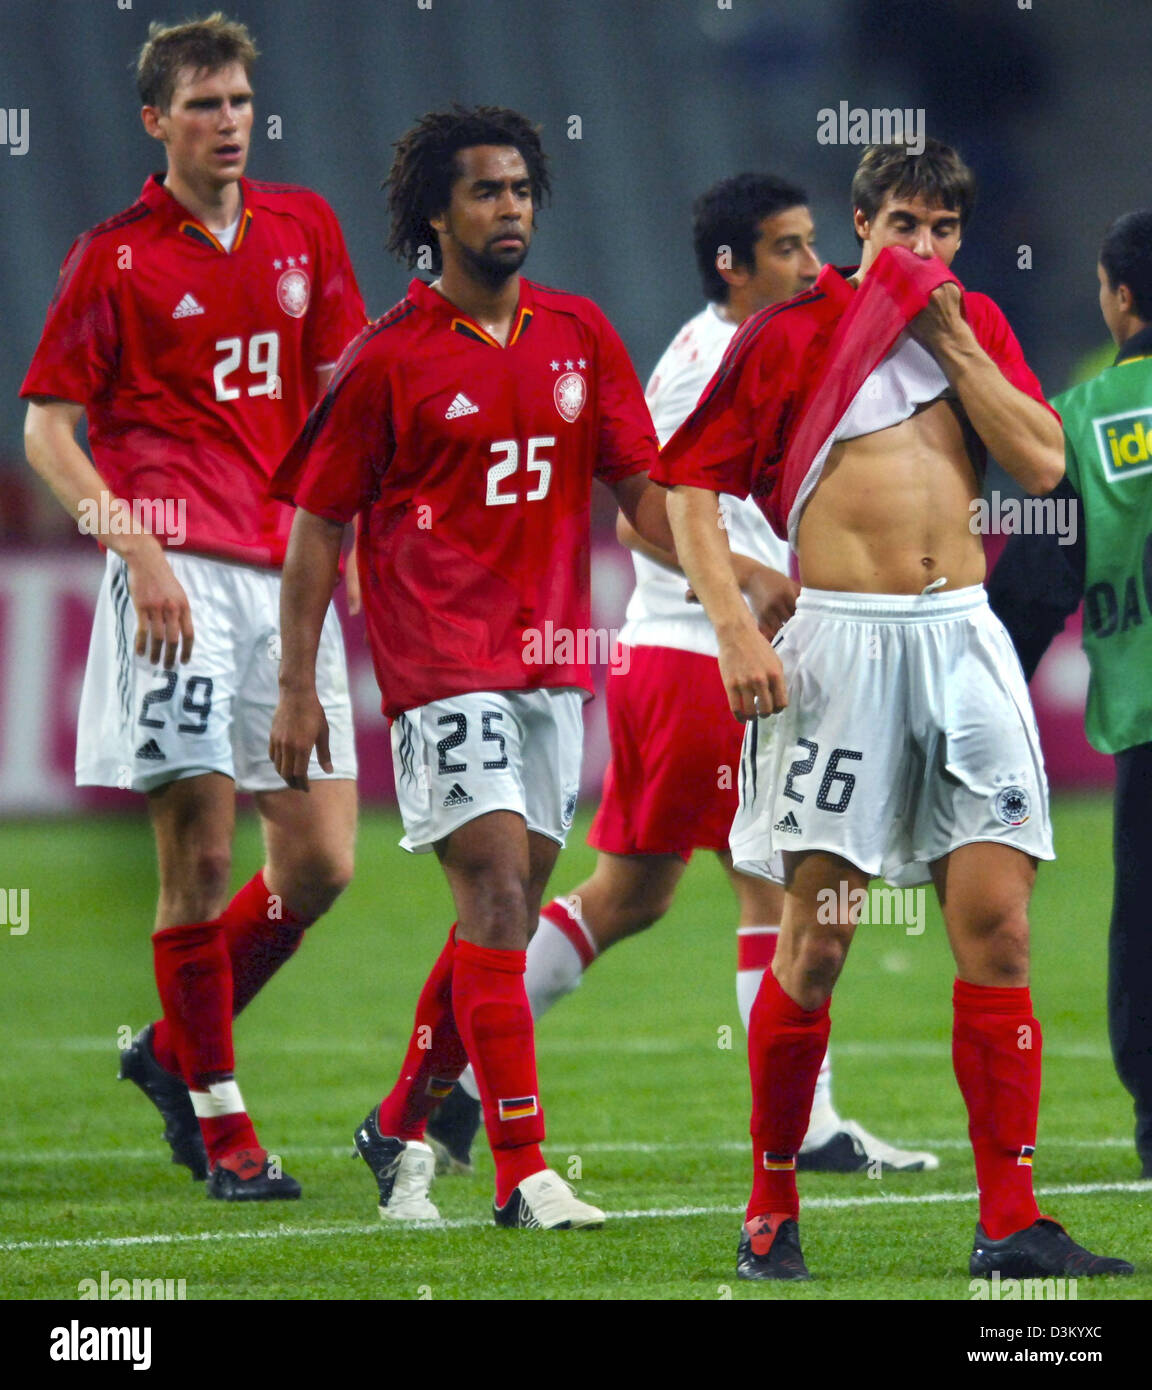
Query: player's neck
(492, 308)
(216, 206)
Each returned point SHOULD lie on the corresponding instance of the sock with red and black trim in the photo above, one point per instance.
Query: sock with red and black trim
(996, 1052)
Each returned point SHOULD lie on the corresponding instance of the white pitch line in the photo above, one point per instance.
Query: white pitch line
(470, 1223)
(17, 1157)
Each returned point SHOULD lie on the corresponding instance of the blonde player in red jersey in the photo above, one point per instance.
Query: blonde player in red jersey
(465, 428)
(195, 330)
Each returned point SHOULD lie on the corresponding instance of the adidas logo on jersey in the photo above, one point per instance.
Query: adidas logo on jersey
(461, 406)
(187, 307)
(456, 797)
(789, 825)
(151, 751)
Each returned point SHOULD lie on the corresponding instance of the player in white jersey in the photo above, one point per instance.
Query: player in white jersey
(671, 732)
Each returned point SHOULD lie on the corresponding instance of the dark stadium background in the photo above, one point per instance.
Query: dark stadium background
(1050, 103)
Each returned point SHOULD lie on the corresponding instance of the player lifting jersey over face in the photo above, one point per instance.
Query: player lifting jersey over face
(890, 730)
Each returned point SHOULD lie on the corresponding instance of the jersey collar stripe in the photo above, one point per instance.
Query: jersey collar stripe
(201, 234)
(198, 232)
(471, 330)
(242, 230)
(522, 323)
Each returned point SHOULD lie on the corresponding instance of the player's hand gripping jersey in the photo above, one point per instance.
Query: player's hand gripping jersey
(197, 366)
(472, 466)
(794, 370)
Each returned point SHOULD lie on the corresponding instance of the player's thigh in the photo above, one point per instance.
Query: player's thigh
(670, 785)
(823, 895)
(309, 840)
(141, 725)
(488, 864)
(626, 893)
(543, 851)
(984, 891)
(258, 693)
(469, 755)
(761, 901)
(193, 819)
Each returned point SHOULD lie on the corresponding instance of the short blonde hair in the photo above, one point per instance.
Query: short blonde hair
(205, 45)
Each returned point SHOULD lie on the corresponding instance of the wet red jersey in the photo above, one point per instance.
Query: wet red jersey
(472, 465)
(197, 366)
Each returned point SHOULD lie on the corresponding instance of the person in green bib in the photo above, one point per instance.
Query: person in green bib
(1106, 560)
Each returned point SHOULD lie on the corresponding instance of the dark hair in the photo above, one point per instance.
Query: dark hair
(205, 45)
(938, 175)
(424, 169)
(1126, 256)
(729, 214)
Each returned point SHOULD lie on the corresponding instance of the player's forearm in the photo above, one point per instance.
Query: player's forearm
(51, 449)
(1023, 436)
(702, 548)
(631, 539)
(645, 505)
(310, 569)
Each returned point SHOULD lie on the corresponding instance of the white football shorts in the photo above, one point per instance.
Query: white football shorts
(141, 726)
(908, 733)
(509, 750)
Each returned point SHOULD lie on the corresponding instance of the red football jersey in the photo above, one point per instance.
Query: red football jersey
(764, 424)
(472, 467)
(197, 366)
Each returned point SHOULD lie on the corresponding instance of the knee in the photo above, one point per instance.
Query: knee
(313, 882)
(997, 949)
(197, 889)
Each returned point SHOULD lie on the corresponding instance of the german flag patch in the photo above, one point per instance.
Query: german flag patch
(779, 1163)
(1025, 1159)
(519, 1107)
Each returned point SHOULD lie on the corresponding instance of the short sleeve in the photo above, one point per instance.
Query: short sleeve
(627, 442)
(995, 336)
(334, 468)
(340, 314)
(77, 358)
(717, 446)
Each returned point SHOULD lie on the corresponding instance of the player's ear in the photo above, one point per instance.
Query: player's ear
(439, 221)
(860, 224)
(152, 117)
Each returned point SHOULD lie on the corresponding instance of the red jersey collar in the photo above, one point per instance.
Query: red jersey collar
(160, 200)
(457, 321)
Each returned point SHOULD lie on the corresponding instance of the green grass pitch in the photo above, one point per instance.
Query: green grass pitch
(643, 1074)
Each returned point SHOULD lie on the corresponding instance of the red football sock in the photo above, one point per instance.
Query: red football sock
(435, 1056)
(495, 1023)
(786, 1045)
(996, 1046)
(756, 947)
(258, 945)
(261, 936)
(194, 978)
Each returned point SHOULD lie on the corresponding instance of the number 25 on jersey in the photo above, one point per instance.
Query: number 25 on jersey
(508, 463)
